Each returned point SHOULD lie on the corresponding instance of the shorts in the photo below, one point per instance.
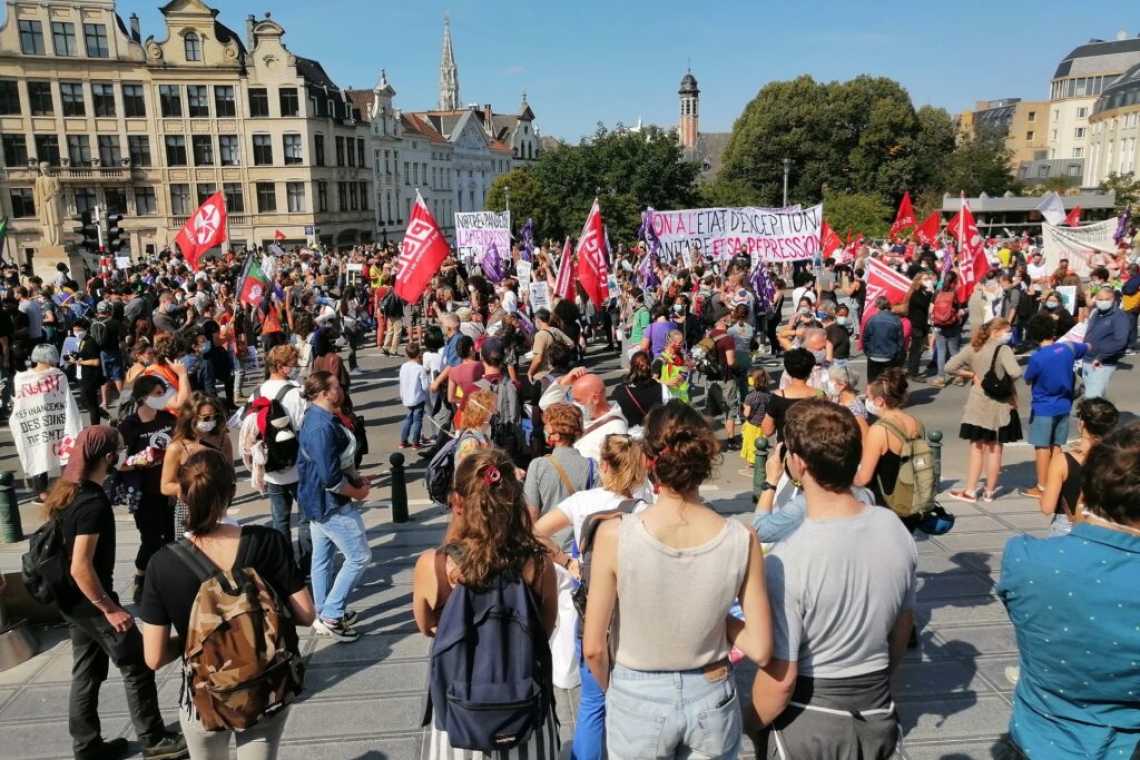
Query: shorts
(723, 399)
(113, 368)
(1046, 431)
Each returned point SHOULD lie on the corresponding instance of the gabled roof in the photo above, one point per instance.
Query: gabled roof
(362, 101)
(416, 125)
(709, 150)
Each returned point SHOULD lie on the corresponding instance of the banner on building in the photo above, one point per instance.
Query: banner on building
(45, 420)
(1077, 244)
(767, 234)
(476, 232)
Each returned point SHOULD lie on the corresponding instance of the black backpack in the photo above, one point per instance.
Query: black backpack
(100, 334)
(282, 448)
(506, 422)
(46, 568)
(441, 469)
(997, 388)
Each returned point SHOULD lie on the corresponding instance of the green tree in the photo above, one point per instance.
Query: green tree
(725, 192)
(868, 213)
(979, 164)
(1127, 187)
(529, 199)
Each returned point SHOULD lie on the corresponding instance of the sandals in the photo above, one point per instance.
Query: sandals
(963, 495)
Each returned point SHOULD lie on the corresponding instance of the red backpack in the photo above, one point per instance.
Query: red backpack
(944, 314)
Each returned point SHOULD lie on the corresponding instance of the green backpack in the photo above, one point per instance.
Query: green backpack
(913, 493)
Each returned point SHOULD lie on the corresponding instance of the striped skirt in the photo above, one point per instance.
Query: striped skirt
(544, 744)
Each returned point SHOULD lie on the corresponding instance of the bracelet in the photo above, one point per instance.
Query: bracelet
(102, 597)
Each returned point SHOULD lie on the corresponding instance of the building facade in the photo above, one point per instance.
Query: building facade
(1113, 130)
(150, 128)
(1022, 124)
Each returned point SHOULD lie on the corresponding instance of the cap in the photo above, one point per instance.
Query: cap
(491, 345)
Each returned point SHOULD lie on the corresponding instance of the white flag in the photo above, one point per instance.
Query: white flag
(1053, 209)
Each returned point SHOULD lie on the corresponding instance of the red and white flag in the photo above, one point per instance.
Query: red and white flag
(905, 217)
(972, 261)
(1074, 217)
(592, 271)
(884, 281)
(829, 240)
(278, 235)
(205, 229)
(564, 285)
(421, 254)
(927, 232)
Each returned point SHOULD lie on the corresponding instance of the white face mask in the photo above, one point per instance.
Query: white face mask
(205, 426)
(159, 402)
(873, 408)
(830, 388)
(585, 412)
(121, 459)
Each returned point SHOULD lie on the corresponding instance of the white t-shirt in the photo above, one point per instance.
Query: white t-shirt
(581, 505)
(433, 363)
(1036, 272)
(802, 292)
(295, 406)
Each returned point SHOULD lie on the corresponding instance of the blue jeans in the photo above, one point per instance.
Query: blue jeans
(1096, 379)
(281, 498)
(662, 714)
(413, 421)
(947, 342)
(590, 730)
(342, 529)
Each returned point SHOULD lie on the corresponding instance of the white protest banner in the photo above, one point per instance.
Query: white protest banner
(539, 296)
(476, 231)
(122, 262)
(45, 420)
(1077, 244)
(784, 234)
(1076, 334)
(522, 268)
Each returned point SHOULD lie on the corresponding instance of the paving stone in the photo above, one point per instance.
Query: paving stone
(957, 750)
(332, 718)
(988, 542)
(338, 681)
(936, 586)
(970, 642)
(977, 523)
(379, 748)
(35, 703)
(370, 648)
(913, 680)
(36, 741)
(965, 717)
(958, 612)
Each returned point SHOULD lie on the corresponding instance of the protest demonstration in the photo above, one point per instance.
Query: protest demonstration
(350, 432)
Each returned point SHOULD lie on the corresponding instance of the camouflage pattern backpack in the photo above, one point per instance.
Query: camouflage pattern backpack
(241, 661)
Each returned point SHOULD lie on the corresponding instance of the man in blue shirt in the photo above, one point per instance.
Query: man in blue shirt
(1050, 373)
(1107, 337)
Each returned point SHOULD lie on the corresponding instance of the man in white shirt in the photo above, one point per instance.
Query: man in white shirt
(1038, 274)
(599, 417)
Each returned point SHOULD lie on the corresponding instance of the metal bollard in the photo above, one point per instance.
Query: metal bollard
(759, 469)
(11, 527)
(934, 437)
(399, 489)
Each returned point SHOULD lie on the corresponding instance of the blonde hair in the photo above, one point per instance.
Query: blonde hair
(625, 463)
(481, 406)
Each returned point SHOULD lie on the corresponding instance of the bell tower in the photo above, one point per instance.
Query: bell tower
(448, 72)
(690, 119)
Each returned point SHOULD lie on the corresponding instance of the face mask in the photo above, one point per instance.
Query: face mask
(1104, 305)
(820, 356)
(820, 315)
(830, 388)
(80, 334)
(585, 410)
(159, 402)
(805, 310)
(1005, 338)
(841, 321)
(1052, 305)
(120, 460)
(873, 408)
(293, 373)
(678, 308)
(205, 426)
(205, 348)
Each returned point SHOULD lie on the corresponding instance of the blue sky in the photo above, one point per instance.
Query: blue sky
(586, 61)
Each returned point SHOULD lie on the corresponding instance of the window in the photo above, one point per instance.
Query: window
(203, 146)
(63, 38)
(15, 150)
(85, 199)
(360, 150)
(235, 197)
(9, 98)
(292, 149)
(1074, 170)
(103, 98)
(295, 195)
(134, 103)
(31, 38)
(110, 154)
(351, 145)
(1079, 132)
(175, 150)
(197, 101)
(1082, 112)
(262, 150)
(353, 196)
(342, 196)
(1032, 117)
(205, 190)
(1043, 171)
(23, 202)
(322, 197)
(180, 200)
(193, 46)
(79, 150)
(229, 150)
(1053, 134)
(146, 204)
(258, 102)
(319, 150)
(1078, 152)
(225, 103)
(170, 98)
(290, 105)
(416, 174)
(71, 94)
(139, 148)
(363, 196)
(95, 36)
(266, 198)
(1029, 136)
(116, 199)
(40, 99)
(340, 151)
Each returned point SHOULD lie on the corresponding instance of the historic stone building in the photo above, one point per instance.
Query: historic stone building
(706, 149)
(151, 127)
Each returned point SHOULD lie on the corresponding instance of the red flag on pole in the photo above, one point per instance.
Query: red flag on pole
(421, 254)
(591, 261)
(927, 232)
(278, 235)
(884, 281)
(205, 229)
(905, 217)
(972, 261)
(564, 285)
(1074, 217)
(829, 240)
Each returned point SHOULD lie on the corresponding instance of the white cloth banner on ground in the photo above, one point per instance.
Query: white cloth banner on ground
(45, 420)
(1077, 244)
(780, 234)
(475, 232)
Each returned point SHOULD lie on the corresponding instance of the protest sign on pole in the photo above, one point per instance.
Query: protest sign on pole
(1077, 244)
(539, 296)
(476, 232)
(790, 234)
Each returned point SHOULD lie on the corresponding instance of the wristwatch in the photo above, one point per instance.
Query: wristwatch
(767, 487)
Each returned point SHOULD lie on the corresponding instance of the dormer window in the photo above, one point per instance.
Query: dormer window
(193, 45)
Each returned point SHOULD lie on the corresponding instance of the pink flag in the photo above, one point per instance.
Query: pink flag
(884, 281)
(564, 285)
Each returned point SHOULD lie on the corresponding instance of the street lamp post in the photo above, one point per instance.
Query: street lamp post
(507, 190)
(787, 169)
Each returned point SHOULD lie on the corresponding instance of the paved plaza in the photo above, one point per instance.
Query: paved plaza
(364, 700)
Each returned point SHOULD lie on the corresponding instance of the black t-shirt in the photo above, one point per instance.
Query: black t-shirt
(90, 514)
(840, 341)
(89, 349)
(115, 334)
(138, 435)
(635, 401)
(919, 314)
(171, 586)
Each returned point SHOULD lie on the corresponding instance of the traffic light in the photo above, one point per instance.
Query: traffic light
(115, 234)
(88, 231)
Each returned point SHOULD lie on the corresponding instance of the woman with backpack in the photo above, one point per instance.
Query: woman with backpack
(490, 546)
(676, 566)
(947, 314)
(177, 595)
(883, 442)
(990, 419)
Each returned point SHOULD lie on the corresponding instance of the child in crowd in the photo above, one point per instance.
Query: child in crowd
(755, 407)
(414, 382)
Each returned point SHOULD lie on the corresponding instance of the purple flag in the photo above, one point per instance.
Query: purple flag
(762, 286)
(527, 252)
(492, 264)
(1122, 225)
(648, 234)
(646, 274)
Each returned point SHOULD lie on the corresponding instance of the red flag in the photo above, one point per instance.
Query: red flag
(829, 240)
(204, 230)
(884, 281)
(591, 261)
(927, 232)
(564, 285)
(972, 261)
(905, 217)
(1074, 217)
(421, 254)
(278, 235)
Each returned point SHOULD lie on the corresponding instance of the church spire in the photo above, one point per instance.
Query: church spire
(448, 72)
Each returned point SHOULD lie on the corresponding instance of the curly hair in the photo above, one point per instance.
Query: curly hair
(680, 446)
(563, 420)
(480, 407)
(984, 332)
(1110, 483)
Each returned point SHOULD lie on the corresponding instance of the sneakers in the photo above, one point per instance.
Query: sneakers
(962, 495)
(349, 617)
(989, 496)
(1013, 674)
(403, 445)
(339, 630)
(916, 379)
(938, 382)
(356, 372)
(416, 446)
(960, 381)
(1033, 493)
(116, 749)
(173, 747)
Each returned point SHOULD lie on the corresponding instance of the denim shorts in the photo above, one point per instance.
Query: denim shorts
(653, 714)
(1046, 431)
(113, 365)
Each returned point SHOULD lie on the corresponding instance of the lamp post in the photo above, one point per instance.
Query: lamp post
(787, 169)
(507, 191)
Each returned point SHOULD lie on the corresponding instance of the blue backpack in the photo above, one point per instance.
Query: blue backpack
(490, 679)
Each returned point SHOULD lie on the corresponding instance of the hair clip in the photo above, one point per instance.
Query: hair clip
(491, 475)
